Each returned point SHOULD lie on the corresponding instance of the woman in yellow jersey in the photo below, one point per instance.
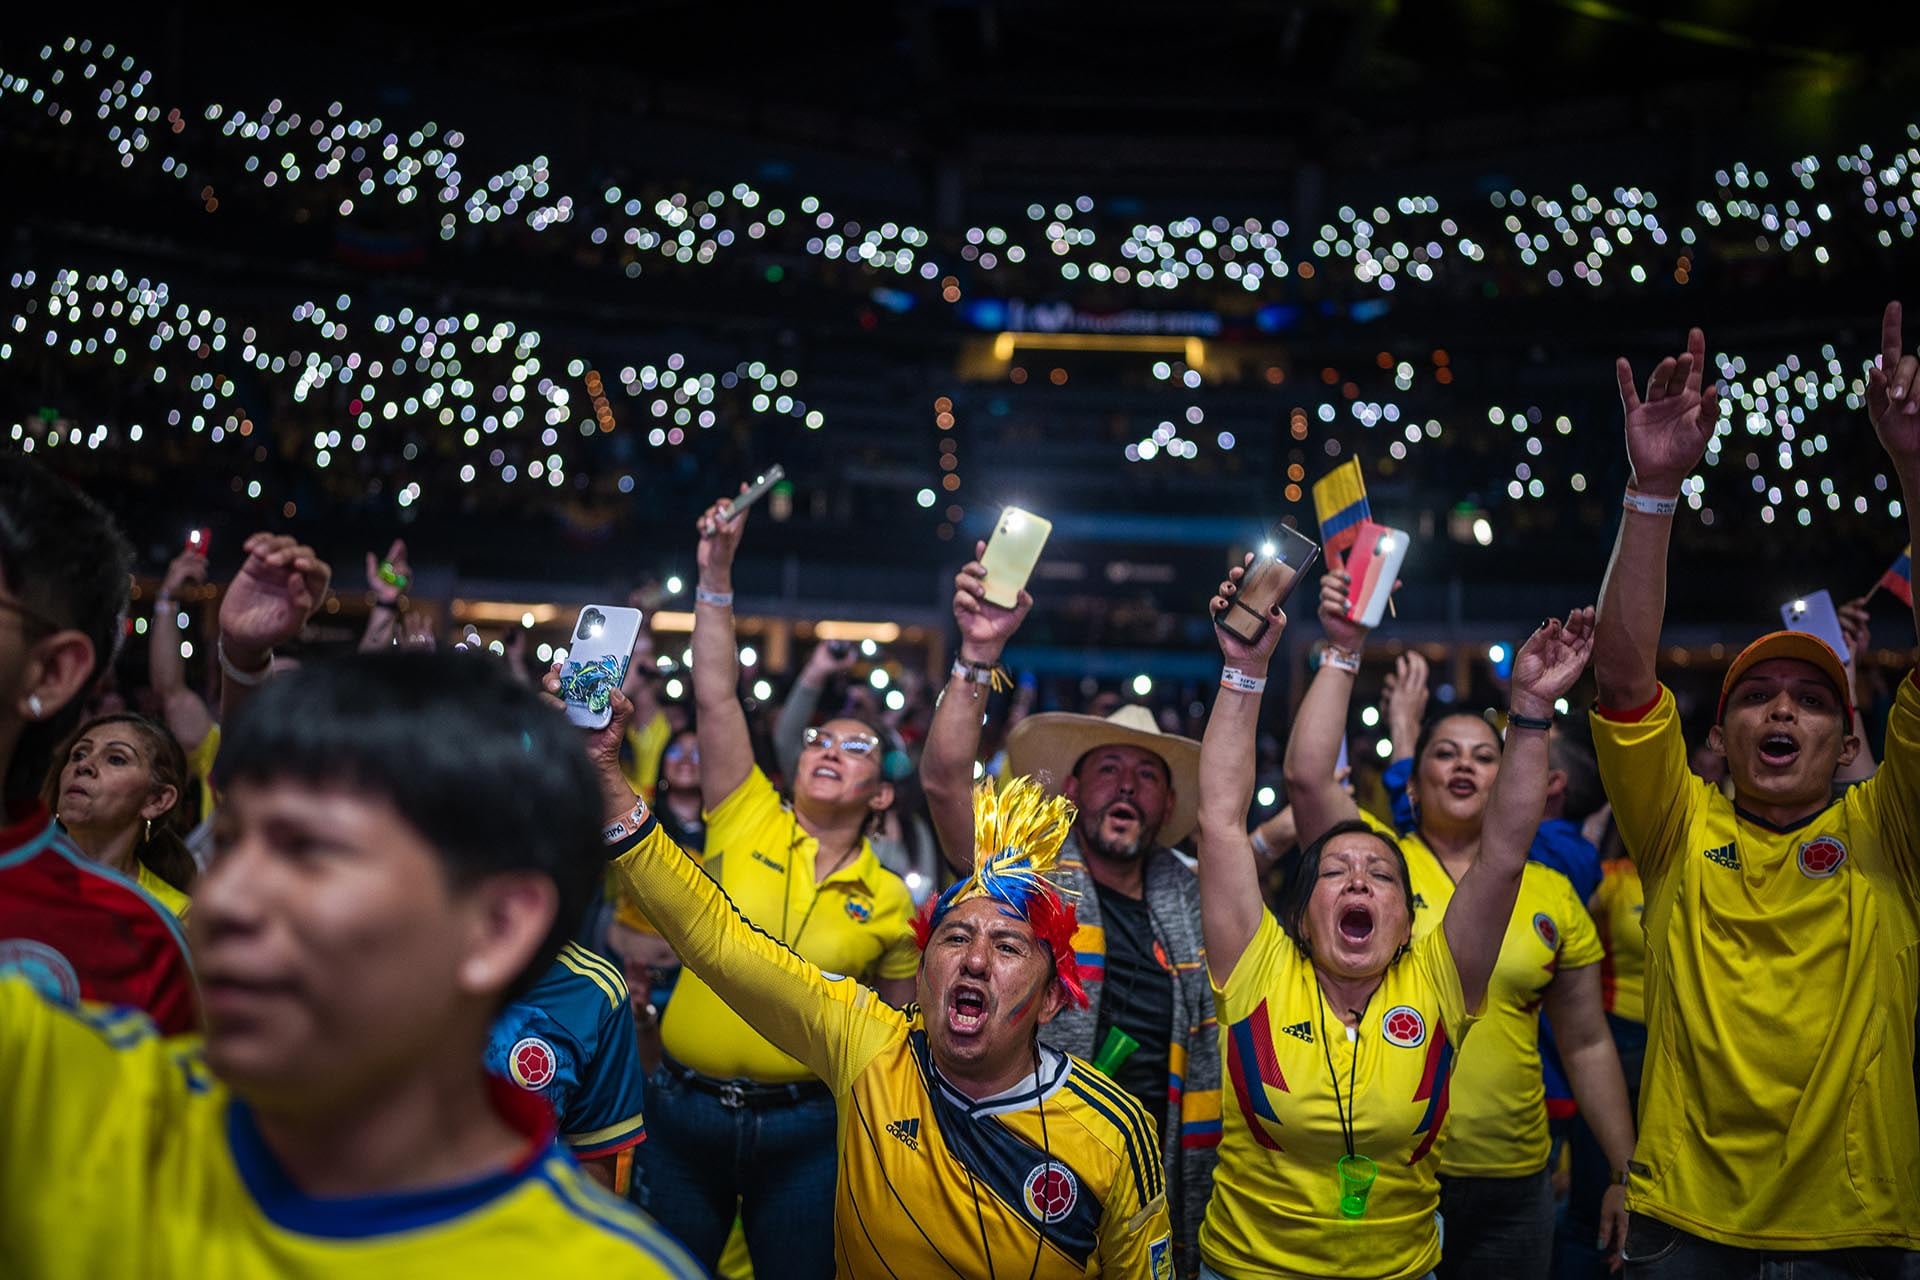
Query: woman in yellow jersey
(1339, 1026)
(737, 1127)
(116, 786)
(1496, 1191)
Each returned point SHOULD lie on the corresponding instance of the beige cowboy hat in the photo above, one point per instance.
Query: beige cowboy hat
(1046, 747)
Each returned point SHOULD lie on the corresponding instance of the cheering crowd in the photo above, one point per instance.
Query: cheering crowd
(390, 964)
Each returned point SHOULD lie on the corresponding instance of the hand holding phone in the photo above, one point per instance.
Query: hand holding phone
(598, 652)
(732, 508)
(1815, 615)
(1011, 554)
(199, 540)
(1373, 565)
(1282, 560)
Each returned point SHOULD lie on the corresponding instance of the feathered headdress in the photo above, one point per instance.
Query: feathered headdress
(1017, 834)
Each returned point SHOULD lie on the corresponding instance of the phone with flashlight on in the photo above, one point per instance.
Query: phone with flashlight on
(598, 652)
(1282, 559)
(1012, 552)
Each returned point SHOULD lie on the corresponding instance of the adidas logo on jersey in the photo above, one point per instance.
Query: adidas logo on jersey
(1419, 903)
(1300, 1031)
(908, 1131)
(1725, 856)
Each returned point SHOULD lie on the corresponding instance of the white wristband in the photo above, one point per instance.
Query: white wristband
(1236, 679)
(1340, 659)
(235, 674)
(1649, 505)
(721, 599)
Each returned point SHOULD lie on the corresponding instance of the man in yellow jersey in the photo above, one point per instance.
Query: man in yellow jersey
(404, 843)
(966, 1147)
(739, 1126)
(1778, 1123)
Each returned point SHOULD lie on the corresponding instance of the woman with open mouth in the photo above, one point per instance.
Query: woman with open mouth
(1496, 1193)
(1340, 1023)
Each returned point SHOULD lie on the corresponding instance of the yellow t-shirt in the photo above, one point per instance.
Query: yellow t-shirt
(200, 768)
(1777, 1109)
(1059, 1178)
(1617, 908)
(858, 922)
(125, 1156)
(1275, 1206)
(168, 896)
(1499, 1123)
(644, 744)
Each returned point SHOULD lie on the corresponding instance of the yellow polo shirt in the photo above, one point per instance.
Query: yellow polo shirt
(1618, 905)
(1499, 1123)
(858, 923)
(1777, 1109)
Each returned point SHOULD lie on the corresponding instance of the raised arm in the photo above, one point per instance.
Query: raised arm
(277, 589)
(187, 715)
(953, 739)
(1313, 748)
(1476, 921)
(1857, 627)
(383, 620)
(1893, 405)
(1230, 898)
(803, 700)
(1667, 432)
(726, 746)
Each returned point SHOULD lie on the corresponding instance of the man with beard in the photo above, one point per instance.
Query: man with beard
(1138, 943)
(1777, 1112)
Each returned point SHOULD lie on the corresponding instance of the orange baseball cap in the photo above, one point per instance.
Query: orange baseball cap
(1798, 646)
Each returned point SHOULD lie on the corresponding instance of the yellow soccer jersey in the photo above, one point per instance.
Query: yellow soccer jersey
(1275, 1207)
(859, 921)
(123, 1156)
(1058, 1178)
(1499, 1123)
(1617, 908)
(163, 893)
(1777, 1109)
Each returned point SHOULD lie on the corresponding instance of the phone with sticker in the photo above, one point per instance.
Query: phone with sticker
(598, 652)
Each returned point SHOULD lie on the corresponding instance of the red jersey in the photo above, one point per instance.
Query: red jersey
(78, 931)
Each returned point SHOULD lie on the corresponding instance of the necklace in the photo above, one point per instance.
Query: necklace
(786, 905)
(1344, 1107)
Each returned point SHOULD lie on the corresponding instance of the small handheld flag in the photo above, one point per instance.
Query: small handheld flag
(1899, 579)
(1340, 502)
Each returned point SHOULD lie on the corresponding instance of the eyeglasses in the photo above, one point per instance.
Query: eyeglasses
(857, 745)
(677, 754)
(28, 615)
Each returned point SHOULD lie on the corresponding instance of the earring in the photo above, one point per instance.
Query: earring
(34, 708)
(149, 835)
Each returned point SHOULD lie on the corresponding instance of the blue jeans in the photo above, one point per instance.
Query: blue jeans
(1574, 1255)
(1497, 1227)
(776, 1163)
(1656, 1251)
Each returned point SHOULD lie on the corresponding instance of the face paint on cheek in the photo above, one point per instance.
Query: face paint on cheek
(1014, 1014)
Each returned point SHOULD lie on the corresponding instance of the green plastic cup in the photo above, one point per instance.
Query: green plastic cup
(1114, 1050)
(1356, 1183)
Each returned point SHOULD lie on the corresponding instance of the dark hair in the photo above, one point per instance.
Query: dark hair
(492, 777)
(64, 557)
(1433, 723)
(1081, 759)
(1290, 907)
(1584, 791)
(161, 849)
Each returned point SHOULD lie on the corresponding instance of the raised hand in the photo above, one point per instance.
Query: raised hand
(1857, 628)
(602, 744)
(1668, 430)
(1550, 662)
(1405, 699)
(1250, 658)
(1893, 393)
(396, 559)
(719, 543)
(1335, 586)
(187, 567)
(271, 598)
(985, 627)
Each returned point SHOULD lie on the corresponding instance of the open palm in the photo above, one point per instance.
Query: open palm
(1668, 429)
(273, 595)
(1551, 661)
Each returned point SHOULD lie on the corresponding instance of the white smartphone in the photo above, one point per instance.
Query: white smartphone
(1815, 615)
(1374, 561)
(1011, 554)
(759, 489)
(598, 652)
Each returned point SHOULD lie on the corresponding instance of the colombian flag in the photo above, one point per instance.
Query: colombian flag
(1898, 579)
(1340, 501)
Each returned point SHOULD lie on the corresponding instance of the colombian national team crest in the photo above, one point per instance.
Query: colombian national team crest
(1051, 1191)
(1821, 856)
(1403, 1026)
(1549, 932)
(859, 908)
(533, 1063)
